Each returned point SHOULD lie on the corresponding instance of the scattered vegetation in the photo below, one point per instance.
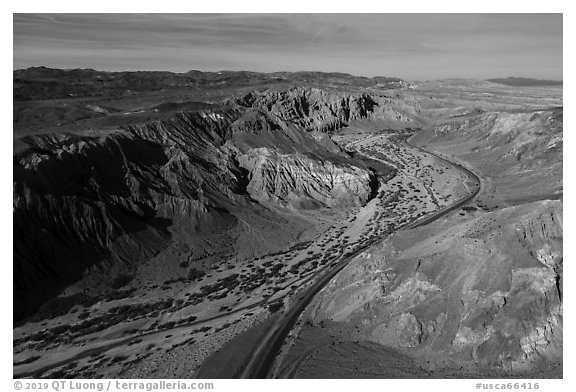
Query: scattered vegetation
(27, 360)
(195, 274)
(60, 306)
(121, 280)
(275, 306)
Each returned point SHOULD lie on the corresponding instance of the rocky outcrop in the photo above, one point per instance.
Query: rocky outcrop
(323, 111)
(257, 128)
(487, 292)
(302, 182)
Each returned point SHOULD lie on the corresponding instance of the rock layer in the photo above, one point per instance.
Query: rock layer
(302, 182)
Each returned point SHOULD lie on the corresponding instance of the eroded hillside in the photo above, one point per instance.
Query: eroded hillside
(479, 291)
(484, 292)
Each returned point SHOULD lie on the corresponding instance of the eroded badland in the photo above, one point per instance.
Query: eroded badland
(285, 225)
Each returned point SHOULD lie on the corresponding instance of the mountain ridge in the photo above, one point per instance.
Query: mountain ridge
(40, 83)
(525, 82)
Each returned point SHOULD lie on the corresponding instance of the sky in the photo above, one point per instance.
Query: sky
(409, 46)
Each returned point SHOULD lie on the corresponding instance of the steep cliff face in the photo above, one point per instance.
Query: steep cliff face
(319, 110)
(302, 182)
(486, 292)
(258, 128)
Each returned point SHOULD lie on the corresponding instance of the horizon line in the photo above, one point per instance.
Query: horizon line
(285, 72)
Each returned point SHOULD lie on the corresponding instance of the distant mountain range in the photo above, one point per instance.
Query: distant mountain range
(40, 83)
(513, 81)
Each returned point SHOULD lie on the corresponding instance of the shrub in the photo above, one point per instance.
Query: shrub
(121, 281)
(195, 274)
(119, 358)
(84, 315)
(275, 306)
(27, 360)
(60, 306)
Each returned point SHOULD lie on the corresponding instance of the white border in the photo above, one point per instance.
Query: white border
(301, 6)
